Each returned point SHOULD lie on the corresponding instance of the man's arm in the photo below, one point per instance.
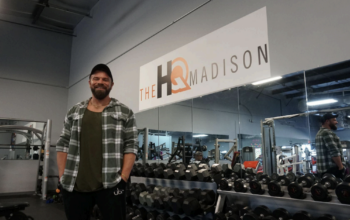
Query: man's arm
(128, 163)
(337, 160)
(61, 162)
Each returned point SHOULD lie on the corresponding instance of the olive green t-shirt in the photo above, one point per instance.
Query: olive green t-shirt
(89, 177)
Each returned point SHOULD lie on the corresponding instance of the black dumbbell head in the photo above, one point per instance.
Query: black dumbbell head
(191, 206)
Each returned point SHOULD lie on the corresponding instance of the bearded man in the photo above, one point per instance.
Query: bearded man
(96, 152)
(329, 152)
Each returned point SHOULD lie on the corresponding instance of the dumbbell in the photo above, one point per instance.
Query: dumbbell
(241, 185)
(178, 200)
(140, 170)
(143, 195)
(169, 171)
(191, 172)
(281, 214)
(162, 216)
(159, 171)
(198, 201)
(343, 191)
(302, 215)
(227, 170)
(275, 186)
(231, 211)
(256, 185)
(152, 215)
(216, 173)
(326, 217)
(152, 197)
(295, 189)
(140, 214)
(319, 191)
(260, 212)
(228, 184)
(174, 217)
(203, 173)
(130, 212)
(159, 198)
(167, 201)
(149, 171)
(139, 188)
(134, 169)
(179, 173)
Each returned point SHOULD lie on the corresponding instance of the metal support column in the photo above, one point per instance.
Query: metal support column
(145, 146)
(46, 159)
(217, 152)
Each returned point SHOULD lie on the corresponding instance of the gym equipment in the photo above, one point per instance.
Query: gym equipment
(260, 212)
(13, 210)
(179, 173)
(343, 191)
(140, 170)
(275, 186)
(281, 214)
(169, 171)
(228, 184)
(241, 185)
(139, 188)
(256, 185)
(149, 171)
(302, 215)
(159, 171)
(178, 200)
(295, 189)
(162, 216)
(143, 195)
(130, 212)
(174, 217)
(198, 200)
(152, 215)
(167, 201)
(216, 173)
(326, 217)
(191, 172)
(140, 214)
(319, 191)
(159, 198)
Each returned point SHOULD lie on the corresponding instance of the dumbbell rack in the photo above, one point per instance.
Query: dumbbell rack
(181, 184)
(315, 208)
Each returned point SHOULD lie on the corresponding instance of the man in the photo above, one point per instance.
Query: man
(328, 148)
(96, 152)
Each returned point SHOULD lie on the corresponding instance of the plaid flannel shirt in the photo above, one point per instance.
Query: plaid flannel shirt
(119, 136)
(327, 146)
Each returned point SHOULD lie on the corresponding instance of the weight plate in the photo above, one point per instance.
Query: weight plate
(312, 176)
(347, 178)
(343, 192)
(291, 176)
(239, 186)
(265, 178)
(306, 181)
(328, 175)
(274, 176)
(330, 181)
(224, 184)
(281, 214)
(274, 188)
(284, 181)
(295, 190)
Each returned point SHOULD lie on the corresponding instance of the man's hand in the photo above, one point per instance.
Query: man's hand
(124, 177)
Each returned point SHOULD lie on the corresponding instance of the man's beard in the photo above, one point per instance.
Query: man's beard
(333, 127)
(100, 94)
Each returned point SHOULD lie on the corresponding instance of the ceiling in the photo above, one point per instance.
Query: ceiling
(53, 15)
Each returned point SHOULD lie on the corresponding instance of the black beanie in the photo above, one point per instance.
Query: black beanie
(101, 68)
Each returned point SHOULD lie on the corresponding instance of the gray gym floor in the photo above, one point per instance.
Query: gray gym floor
(38, 209)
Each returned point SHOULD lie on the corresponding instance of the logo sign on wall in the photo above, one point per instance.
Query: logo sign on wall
(231, 56)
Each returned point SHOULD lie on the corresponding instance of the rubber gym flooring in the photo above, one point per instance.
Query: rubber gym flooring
(38, 209)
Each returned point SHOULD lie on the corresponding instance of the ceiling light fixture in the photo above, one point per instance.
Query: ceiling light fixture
(322, 102)
(200, 135)
(267, 80)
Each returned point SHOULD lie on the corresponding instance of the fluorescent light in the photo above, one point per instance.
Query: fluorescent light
(200, 135)
(267, 80)
(348, 116)
(322, 102)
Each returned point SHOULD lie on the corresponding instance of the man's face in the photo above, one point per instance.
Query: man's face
(100, 85)
(333, 124)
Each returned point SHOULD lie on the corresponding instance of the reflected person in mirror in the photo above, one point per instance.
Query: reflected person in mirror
(96, 152)
(329, 152)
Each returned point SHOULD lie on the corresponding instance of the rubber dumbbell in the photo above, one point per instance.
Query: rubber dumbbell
(198, 201)
(227, 170)
(241, 185)
(275, 186)
(260, 212)
(149, 171)
(140, 170)
(177, 201)
(169, 171)
(319, 191)
(179, 173)
(256, 186)
(163, 216)
(152, 215)
(203, 173)
(155, 198)
(143, 195)
(174, 217)
(343, 191)
(302, 215)
(281, 214)
(295, 189)
(228, 184)
(140, 214)
(139, 188)
(326, 217)
(167, 201)
(134, 169)
(216, 173)
(159, 171)
(159, 199)
(130, 212)
(231, 212)
(191, 172)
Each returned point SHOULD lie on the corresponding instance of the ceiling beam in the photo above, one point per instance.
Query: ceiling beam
(327, 89)
(39, 10)
(311, 83)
